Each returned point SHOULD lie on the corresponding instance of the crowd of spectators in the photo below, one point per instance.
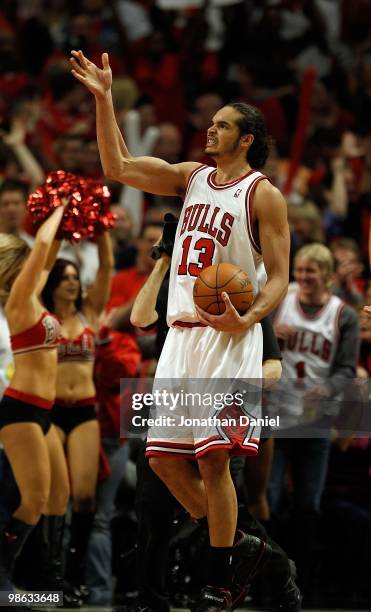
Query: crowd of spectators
(305, 63)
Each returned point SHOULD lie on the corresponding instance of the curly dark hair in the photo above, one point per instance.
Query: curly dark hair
(54, 279)
(252, 121)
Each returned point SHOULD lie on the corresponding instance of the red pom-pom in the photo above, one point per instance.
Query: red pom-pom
(87, 214)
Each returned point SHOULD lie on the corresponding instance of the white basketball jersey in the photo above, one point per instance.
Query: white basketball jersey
(309, 353)
(307, 357)
(215, 226)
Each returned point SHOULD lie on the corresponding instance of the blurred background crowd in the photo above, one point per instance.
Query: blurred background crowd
(307, 65)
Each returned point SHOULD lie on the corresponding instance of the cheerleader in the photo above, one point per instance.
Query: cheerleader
(74, 413)
(30, 443)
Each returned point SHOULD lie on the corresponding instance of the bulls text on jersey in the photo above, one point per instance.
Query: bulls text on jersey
(305, 341)
(213, 222)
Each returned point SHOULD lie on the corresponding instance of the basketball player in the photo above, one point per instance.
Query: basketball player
(231, 214)
(31, 445)
(155, 506)
(319, 339)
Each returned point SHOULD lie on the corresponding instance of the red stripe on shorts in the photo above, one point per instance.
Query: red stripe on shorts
(28, 398)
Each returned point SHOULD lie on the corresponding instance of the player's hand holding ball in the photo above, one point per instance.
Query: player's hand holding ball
(222, 293)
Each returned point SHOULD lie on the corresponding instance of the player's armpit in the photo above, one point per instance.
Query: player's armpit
(154, 175)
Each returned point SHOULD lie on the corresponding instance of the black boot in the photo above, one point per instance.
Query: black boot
(43, 565)
(54, 563)
(32, 562)
(81, 526)
(12, 539)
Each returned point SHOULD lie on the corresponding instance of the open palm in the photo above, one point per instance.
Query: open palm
(97, 80)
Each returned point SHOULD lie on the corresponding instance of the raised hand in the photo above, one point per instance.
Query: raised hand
(97, 80)
(17, 134)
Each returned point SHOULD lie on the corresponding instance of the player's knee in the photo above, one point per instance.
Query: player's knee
(213, 465)
(162, 468)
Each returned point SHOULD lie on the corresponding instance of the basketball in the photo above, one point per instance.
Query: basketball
(209, 286)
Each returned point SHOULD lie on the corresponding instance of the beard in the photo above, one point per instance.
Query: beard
(230, 150)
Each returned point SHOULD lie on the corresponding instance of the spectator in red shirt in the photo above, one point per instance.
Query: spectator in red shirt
(127, 283)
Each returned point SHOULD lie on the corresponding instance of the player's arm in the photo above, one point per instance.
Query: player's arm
(271, 212)
(148, 174)
(144, 311)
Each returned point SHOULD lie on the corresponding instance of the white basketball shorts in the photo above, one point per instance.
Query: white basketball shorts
(214, 379)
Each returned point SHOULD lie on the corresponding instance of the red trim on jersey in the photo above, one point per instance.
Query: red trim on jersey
(249, 199)
(188, 324)
(316, 315)
(191, 177)
(88, 401)
(214, 185)
(28, 398)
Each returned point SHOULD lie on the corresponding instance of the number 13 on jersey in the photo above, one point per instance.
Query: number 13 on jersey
(205, 248)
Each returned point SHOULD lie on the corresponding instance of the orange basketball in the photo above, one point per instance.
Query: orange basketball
(226, 277)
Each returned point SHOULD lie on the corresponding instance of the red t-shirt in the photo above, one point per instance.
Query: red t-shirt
(125, 287)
